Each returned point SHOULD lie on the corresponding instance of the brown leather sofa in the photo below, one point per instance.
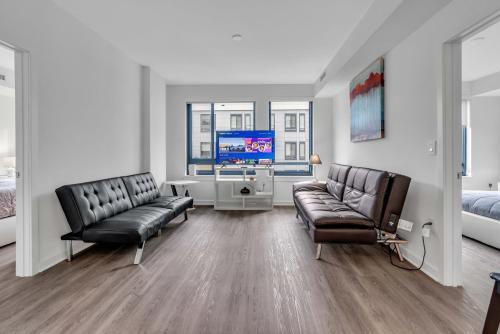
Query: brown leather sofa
(355, 205)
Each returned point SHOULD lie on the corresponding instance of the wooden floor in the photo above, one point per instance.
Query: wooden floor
(228, 272)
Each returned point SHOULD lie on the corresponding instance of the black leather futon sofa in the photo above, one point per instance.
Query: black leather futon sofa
(355, 205)
(127, 209)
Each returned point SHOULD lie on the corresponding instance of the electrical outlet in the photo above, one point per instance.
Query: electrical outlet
(405, 225)
(426, 231)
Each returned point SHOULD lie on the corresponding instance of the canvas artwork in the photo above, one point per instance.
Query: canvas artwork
(367, 103)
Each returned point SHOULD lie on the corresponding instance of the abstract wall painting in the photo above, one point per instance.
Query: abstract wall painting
(367, 103)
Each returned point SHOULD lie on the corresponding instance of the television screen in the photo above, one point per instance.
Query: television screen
(245, 147)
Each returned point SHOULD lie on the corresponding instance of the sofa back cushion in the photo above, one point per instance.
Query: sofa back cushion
(141, 188)
(365, 192)
(88, 203)
(337, 177)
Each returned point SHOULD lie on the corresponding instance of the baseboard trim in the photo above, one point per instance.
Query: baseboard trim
(61, 256)
(203, 202)
(283, 203)
(415, 260)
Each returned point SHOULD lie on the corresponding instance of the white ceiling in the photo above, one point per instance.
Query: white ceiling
(189, 42)
(481, 54)
(495, 92)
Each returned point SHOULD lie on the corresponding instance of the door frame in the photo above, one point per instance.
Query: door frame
(26, 236)
(452, 122)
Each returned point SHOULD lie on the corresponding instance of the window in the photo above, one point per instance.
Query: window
(290, 151)
(292, 147)
(248, 122)
(464, 150)
(236, 122)
(205, 149)
(205, 123)
(302, 150)
(466, 140)
(203, 120)
(302, 122)
(290, 122)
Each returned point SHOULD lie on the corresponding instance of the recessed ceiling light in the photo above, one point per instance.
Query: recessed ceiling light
(237, 37)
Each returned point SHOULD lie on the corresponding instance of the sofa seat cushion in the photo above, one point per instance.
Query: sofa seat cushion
(323, 210)
(135, 225)
(176, 203)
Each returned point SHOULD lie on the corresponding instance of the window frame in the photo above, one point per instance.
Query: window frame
(302, 125)
(291, 158)
(201, 148)
(202, 129)
(236, 116)
(292, 173)
(248, 122)
(290, 129)
(272, 120)
(294, 145)
(302, 157)
(189, 138)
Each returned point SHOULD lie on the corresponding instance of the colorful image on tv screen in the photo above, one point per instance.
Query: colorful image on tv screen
(245, 147)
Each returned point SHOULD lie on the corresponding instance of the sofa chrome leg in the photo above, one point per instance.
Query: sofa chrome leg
(159, 233)
(69, 250)
(318, 251)
(185, 215)
(138, 254)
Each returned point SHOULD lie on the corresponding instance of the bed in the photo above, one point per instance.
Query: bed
(481, 216)
(7, 210)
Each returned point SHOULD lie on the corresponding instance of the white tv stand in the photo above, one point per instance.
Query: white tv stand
(259, 180)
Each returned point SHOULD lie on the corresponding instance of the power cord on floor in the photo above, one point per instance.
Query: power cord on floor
(392, 248)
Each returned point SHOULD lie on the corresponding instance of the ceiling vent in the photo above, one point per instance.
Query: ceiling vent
(322, 76)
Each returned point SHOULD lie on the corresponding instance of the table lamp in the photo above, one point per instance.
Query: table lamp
(315, 160)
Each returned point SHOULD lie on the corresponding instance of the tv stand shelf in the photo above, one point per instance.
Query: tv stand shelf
(229, 180)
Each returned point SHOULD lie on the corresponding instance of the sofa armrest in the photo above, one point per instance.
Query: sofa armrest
(309, 186)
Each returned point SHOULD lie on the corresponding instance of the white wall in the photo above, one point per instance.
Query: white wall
(413, 117)
(485, 141)
(178, 96)
(86, 105)
(154, 125)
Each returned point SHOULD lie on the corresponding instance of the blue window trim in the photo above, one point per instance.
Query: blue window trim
(291, 172)
(464, 150)
(196, 161)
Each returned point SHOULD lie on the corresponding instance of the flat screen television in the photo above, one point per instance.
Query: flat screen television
(244, 147)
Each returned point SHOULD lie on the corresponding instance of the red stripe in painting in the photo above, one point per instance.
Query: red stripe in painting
(374, 80)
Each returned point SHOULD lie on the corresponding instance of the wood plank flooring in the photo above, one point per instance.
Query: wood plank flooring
(237, 272)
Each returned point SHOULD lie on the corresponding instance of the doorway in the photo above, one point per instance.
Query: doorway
(15, 162)
(8, 219)
(470, 73)
(480, 161)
